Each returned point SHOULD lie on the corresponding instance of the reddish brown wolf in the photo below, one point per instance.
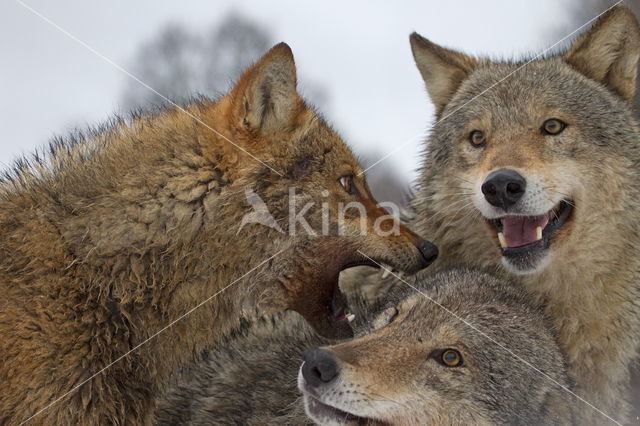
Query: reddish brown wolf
(122, 231)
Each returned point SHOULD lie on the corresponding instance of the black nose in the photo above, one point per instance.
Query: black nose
(428, 251)
(319, 367)
(503, 188)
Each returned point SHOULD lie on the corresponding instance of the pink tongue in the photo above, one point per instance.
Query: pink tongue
(520, 230)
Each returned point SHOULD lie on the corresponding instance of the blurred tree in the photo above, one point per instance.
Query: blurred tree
(180, 63)
(233, 46)
(171, 64)
(386, 182)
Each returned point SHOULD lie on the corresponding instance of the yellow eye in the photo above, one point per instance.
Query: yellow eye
(451, 358)
(477, 139)
(347, 183)
(553, 126)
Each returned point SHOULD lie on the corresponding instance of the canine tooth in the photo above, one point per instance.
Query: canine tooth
(503, 241)
(539, 233)
(385, 272)
(351, 317)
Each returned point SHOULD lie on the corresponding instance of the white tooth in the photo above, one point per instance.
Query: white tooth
(385, 272)
(539, 233)
(503, 241)
(351, 317)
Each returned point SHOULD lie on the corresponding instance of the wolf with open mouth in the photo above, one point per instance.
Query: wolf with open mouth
(534, 166)
(122, 249)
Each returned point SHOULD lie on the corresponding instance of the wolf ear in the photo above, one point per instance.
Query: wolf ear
(442, 70)
(609, 51)
(265, 98)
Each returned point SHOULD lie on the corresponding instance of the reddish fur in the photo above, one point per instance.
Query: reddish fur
(129, 229)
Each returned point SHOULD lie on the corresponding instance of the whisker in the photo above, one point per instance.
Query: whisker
(385, 398)
(565, 195)
(453, 216)
(444, 213)
(462, 179)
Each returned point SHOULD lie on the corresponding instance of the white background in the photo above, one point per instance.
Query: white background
(358, 50)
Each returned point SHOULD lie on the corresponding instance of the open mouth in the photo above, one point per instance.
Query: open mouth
(323, 413)
(316, 294)
(517, 234)
(323, 305)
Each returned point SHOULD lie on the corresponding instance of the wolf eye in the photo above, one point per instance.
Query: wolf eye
(553, 126)
(448, 357)
(347, 183)
(477, 139)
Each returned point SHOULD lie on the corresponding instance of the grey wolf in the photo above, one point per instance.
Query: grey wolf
(125, 229)
(394, 373)
(533, 170)
(248, 378)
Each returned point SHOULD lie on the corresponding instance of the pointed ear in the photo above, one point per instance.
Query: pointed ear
(609, 52)
(442, 70)
(265, 98)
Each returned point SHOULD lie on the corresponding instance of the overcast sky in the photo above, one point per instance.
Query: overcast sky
(358, 50)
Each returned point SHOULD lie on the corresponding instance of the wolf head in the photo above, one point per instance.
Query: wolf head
(536, 161)
(305, 194)
(454, 353)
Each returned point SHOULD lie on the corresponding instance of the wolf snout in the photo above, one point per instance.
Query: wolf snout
(428, 251)
(319, 368)
(503, 188)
